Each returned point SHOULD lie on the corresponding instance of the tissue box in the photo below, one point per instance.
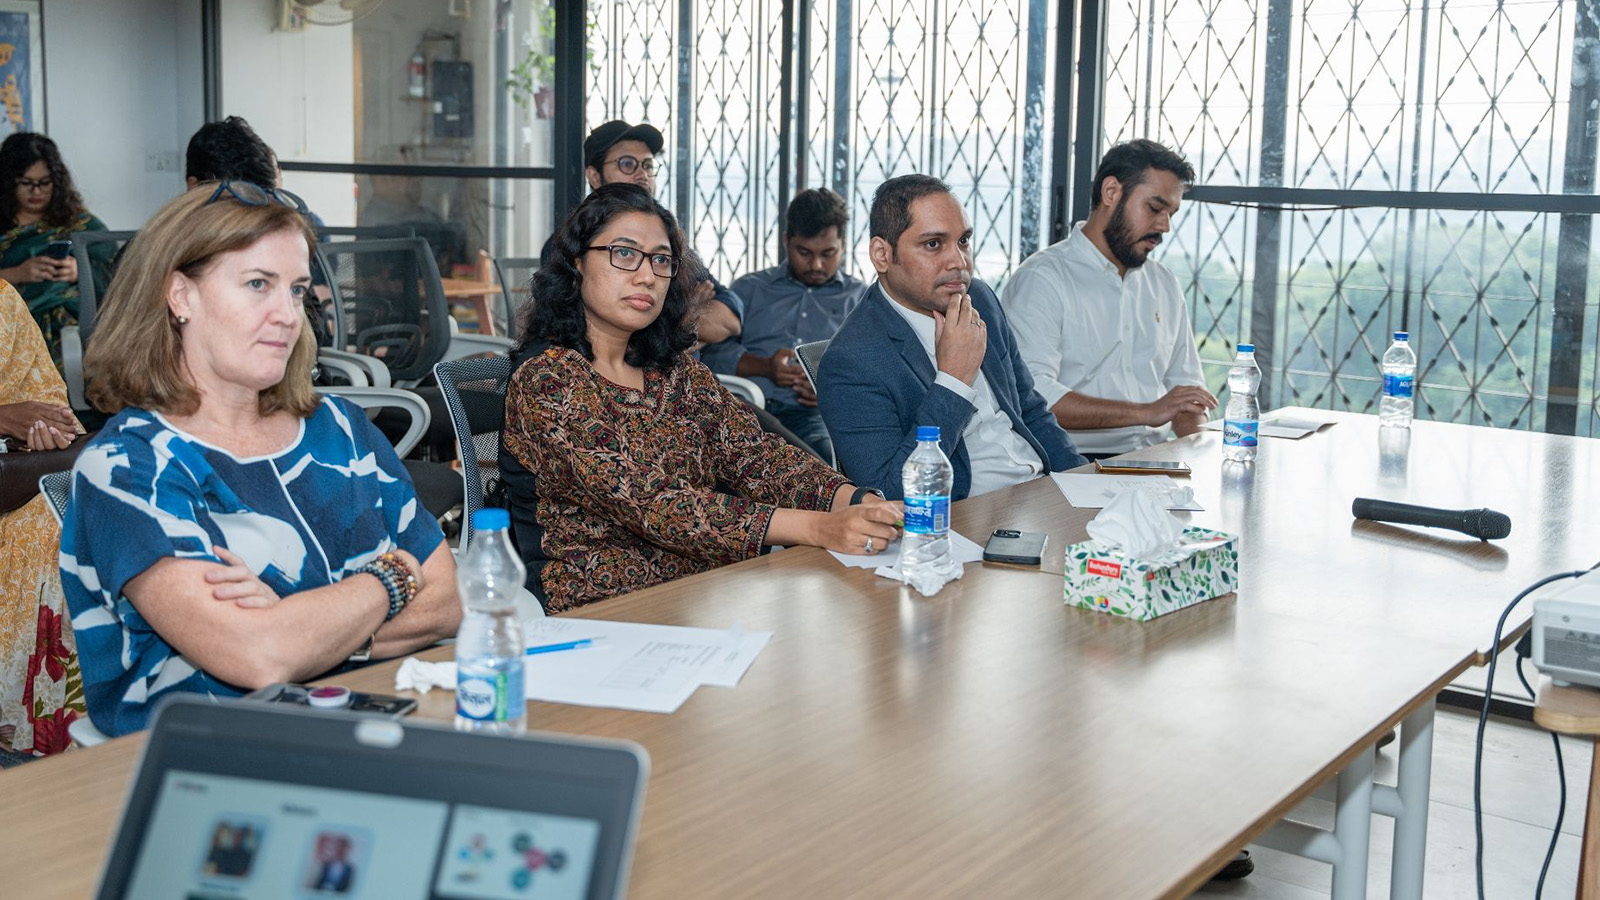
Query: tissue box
(1124, 586)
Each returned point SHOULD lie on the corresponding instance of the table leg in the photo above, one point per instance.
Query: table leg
(485, 319)
(1352, 825)
(1589, 861)
(1412, 784)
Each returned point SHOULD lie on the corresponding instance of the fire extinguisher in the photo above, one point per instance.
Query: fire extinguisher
(414, 74)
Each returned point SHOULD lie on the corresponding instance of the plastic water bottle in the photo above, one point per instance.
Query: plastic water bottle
(1399, 378)
(489, 646)
(925, 480)
(1243, 417)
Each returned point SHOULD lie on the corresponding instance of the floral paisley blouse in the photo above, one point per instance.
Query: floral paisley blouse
(613, 489)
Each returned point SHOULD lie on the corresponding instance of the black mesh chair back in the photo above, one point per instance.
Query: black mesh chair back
(57, 489)
(474, 390)
(331, 233)
(811, 359)
(392, 302)
(96, 253)
(514, 274)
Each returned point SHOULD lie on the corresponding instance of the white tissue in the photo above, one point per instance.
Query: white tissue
(417, 675)
(926, 582)
(421, 676)
(1137, 524)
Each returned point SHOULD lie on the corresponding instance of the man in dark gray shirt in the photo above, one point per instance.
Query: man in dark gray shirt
(805, 299)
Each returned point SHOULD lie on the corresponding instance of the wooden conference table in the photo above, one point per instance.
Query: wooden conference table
(992, 742)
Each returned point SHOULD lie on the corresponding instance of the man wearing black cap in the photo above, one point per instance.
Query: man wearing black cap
(619, 152)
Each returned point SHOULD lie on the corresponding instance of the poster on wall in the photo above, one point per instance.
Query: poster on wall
(21, 67)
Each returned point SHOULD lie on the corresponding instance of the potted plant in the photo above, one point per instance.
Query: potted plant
(533, 77)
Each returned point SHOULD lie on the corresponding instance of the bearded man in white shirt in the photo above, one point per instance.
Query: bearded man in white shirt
(1103, 328)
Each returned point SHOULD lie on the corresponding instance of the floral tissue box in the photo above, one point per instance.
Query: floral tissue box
(1136, 589)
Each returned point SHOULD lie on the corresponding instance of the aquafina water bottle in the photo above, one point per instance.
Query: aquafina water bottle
(1242, 420)
(1399, 378)
(925, 480)
(489, 646)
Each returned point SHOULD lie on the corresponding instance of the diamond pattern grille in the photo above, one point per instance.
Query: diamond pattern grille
(632, 68)
(933, 86)
(1472, 100)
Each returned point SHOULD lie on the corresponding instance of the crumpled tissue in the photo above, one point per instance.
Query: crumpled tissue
(1137, 524)
(420, 676)
(926, 582)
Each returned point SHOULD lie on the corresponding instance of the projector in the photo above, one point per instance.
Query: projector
(1566, 633)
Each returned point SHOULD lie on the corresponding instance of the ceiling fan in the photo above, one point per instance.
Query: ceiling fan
(330, 12)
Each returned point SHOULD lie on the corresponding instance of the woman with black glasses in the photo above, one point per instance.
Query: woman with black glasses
(229, 527)
(626, 462)
(39, 207)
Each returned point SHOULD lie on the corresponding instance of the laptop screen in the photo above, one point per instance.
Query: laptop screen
(232, 816)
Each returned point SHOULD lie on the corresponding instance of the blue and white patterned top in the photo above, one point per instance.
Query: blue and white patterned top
(143, 490)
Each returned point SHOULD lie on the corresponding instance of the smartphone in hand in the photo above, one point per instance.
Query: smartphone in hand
(58, 249)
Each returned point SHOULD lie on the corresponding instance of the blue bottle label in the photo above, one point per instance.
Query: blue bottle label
(1237, 433)
(927, 515)
(1398, 386)
(490, 696)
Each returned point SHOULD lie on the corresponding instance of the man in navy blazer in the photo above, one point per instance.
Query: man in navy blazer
(929, 345)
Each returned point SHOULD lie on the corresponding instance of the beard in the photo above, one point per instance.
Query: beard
(1123, 243)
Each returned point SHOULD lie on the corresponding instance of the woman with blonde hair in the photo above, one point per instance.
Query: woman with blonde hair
(228, 527)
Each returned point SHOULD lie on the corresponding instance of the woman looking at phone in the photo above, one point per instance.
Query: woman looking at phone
(41, 211)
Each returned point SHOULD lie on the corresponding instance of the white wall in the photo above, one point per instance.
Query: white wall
(297, 89)
(123, 90)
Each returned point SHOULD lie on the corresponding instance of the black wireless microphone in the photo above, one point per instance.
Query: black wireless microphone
(1483, 524)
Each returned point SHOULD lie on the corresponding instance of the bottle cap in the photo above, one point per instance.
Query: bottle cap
(1247, 348)
(330, 697)
(927, 432)
(491, 519)
(1401, 336)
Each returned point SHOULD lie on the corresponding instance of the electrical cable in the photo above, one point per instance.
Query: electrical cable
(1483, 715)
(1561, 775)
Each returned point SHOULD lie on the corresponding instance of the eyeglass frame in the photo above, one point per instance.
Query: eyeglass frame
(611, 257)
(650, 164)
(268, 194)
(42, 185)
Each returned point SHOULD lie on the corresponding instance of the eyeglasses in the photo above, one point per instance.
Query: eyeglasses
(43, 184)
(252, 194)
(628, 165)
(629, 259)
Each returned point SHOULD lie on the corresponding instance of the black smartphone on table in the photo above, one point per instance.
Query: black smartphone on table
(1021, 548)
(58, 249)
(336, 698)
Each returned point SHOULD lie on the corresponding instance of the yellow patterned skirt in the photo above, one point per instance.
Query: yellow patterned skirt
(41, 690)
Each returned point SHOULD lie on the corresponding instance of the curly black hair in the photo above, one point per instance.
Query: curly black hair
(20, 151)
(555, 314)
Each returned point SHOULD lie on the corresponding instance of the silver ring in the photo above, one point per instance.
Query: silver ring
(869, 545)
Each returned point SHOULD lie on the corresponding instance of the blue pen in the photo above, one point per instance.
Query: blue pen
(566, 645)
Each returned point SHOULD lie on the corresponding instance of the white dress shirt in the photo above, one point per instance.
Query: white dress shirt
(1081, 327)
(998, 455)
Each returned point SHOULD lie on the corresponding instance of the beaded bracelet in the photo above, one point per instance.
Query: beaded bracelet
(396, 578)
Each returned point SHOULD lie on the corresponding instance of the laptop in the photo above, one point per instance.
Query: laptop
(249, 801)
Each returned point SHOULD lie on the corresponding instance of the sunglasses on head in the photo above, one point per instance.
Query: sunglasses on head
(251, 194)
